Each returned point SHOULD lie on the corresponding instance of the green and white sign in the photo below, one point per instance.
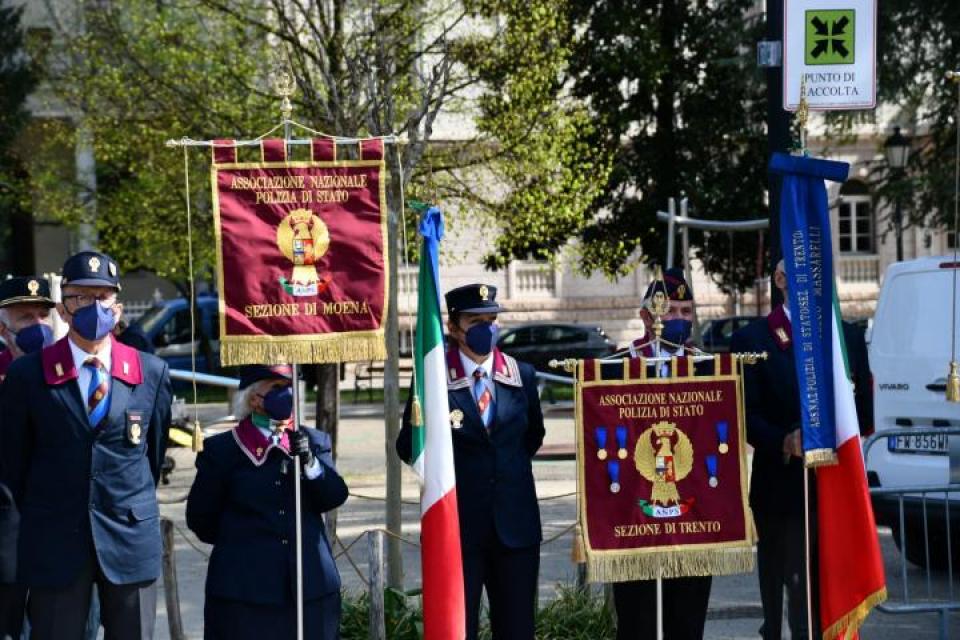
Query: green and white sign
(831, 45)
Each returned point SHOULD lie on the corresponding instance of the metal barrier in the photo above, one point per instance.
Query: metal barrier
(915, 500)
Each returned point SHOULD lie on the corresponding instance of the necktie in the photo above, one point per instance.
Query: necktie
(98, 393)
(484, 398)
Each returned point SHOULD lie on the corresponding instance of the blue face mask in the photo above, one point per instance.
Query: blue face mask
(34, 338)
(482, 337)
(677, 330)
(94, 321)
(278, 403)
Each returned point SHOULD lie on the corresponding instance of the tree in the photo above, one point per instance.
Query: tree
(680, 105)
(17, 80)
(916, 44)
(541, 173)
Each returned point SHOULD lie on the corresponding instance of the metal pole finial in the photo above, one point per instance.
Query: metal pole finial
(284, 85)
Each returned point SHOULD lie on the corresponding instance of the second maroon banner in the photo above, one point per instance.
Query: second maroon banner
(662, 469)
(301, 260)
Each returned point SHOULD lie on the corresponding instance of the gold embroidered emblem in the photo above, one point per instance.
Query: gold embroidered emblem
(782, 335)
(456, 418)
(484, 292)
(94, 264)
(34, 287)
(303, 238)
(664, 456)
(135, 433)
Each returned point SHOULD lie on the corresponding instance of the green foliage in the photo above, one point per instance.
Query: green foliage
(916, 44)
(141, 74)
(575, 614)
(540, 156)
(678, 101)
(17, 80)
(402, 613)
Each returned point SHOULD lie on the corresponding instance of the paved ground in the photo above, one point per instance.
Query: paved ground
(734, 603)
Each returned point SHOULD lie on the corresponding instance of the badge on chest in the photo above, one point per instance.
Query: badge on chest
(134, 430)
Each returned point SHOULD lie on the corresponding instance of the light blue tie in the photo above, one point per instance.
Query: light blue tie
(483, 396)
(98, 393)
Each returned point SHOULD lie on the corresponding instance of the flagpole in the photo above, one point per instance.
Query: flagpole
(284, 85)
(806, 545)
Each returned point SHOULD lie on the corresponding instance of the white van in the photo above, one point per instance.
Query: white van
(909, 348)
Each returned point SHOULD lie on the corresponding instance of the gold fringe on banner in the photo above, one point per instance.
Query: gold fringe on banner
(620, 567)
(849, 623)
(369, 345)
(819, 458)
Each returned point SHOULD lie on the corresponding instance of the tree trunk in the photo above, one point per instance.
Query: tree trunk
(328, 421)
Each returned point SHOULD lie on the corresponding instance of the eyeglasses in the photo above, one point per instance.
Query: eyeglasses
(80, 300)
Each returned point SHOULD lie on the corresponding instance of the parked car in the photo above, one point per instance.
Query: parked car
(715, 334)
(167, 326)
(909, 349)
(538, 344)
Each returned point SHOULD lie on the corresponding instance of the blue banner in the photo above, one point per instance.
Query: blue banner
(808, 260)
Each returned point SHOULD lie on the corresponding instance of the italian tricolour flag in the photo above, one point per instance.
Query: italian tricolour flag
(442, 565)
(851, 566)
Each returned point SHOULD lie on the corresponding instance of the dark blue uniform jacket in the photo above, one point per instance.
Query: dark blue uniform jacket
(496, 496)
(242, 502)
(79, 488)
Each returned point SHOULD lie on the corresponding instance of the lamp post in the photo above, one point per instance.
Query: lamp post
(897, 150)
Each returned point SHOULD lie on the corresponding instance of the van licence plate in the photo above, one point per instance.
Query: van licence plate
(935, 443)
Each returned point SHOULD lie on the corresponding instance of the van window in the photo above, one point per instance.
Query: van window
(915, 316)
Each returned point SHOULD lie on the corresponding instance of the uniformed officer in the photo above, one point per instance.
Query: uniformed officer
(25, 326)
(684, 599)
(772, 402)
(497, 428)
(242, 502)
(83, 437)
(25, 323)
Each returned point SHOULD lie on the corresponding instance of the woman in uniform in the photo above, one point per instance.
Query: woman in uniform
(242, 502)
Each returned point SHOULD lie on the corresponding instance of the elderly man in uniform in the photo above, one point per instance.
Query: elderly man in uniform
(25, 323)
(25, 306)
(684, 599)
(84, 431)
(497, 428)
(242, 502)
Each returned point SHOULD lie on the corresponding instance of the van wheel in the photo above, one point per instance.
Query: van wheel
(916, 552)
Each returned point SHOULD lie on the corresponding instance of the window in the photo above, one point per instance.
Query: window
(855, 219)
(175, 331)
(566, 334)
(517, 337)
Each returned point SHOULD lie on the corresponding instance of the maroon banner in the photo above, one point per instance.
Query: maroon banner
(301, 260)
(662, 470)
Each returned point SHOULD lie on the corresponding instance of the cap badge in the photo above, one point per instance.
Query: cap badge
(682, 291)
(94, 264)
(34, 287)
(112, 268)
(484, 293)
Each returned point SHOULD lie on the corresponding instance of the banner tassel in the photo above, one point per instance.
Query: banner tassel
(416, 412)
(197, 445)
(578, 554)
